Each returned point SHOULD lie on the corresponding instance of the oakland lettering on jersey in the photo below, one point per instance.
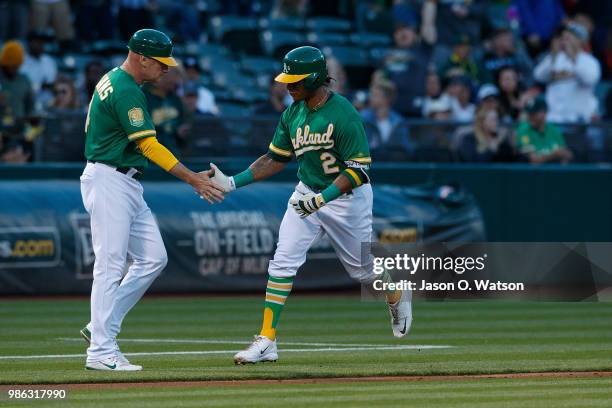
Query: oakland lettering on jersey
(305, 141)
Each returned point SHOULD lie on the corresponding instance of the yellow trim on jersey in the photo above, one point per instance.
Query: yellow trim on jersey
(157, 153)
(280, 151)
(354, 176)
(140, 134)
(365, 160)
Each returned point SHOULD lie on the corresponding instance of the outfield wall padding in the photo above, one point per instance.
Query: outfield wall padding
(45, 236)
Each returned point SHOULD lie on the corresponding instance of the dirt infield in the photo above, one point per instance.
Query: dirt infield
(322, 380)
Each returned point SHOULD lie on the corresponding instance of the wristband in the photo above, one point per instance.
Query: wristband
(242, 179)
(331, 193)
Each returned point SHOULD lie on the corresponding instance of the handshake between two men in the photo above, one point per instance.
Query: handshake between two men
(303, 206)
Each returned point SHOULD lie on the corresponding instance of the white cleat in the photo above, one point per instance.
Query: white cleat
(262, 349)
(401, 314)
(123, 360)
(113, 364)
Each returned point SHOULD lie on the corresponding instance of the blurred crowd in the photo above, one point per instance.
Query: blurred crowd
(502, 78)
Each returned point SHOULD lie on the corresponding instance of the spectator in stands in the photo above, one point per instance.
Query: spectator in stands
(277, 101)
(65, 95)
(511, 100)
(439, 109)
(433, 90)
(460, 92)
(289, 9)
(486, 141)
(16, 97)
(206, 103)
(166, 109)
(15, 88)
(54, 13)
(339, 83)
(538, 19)
(93, 72)
(406, 66)
(94, 20)
(386, 129)
(570, 74)
(461, 62)
(503, 53)
(446, 20)
(13, 19)
(12, 152)
(488, 97)
(39, 67)
(134, 15)
(539, 141)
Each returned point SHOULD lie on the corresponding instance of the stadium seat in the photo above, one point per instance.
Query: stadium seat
(356, 62)
(258, 65)
(107, 47)
(207, 49)
(240, 34)
(213, 63)
(330, 24)
(232, 78)
(248, 96)
(370, 40)
(282, 24)
(277, 43)
(234, 109)
(321, 39)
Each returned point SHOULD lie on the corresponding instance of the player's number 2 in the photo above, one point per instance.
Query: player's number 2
(328, 161)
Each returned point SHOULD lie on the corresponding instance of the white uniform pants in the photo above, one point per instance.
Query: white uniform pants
(347, 221)
(121, 224)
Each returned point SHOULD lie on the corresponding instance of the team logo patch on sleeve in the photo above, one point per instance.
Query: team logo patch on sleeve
(136, 117)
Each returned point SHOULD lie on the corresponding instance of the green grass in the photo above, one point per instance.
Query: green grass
(487, 337)
(561, 392)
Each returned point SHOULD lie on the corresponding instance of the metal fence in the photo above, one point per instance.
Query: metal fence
(236, 136)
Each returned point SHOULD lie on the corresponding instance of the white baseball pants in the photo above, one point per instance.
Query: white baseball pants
(121, 224)
(347, 221)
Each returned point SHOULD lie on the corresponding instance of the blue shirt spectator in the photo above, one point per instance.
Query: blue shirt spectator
(386, 129)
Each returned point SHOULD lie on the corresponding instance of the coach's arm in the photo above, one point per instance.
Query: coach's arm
(160, 155)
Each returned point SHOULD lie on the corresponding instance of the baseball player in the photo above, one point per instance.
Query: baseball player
(120, 137)
(325, 134)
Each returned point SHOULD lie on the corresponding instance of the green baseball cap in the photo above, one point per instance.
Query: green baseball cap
(153, 44)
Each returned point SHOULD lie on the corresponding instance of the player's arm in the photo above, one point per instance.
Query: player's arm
(260, 169)
(354, 152)
(278, 155)
(131, 109)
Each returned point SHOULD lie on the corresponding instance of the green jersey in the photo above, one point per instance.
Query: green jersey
(325, 142)
(529, 140)
(117, 117)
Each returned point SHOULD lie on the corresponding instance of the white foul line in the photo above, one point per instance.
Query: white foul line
(297, 350)
(209, 341)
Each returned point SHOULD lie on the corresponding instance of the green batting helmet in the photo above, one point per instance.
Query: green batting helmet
(304, 63)
(153, 44)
